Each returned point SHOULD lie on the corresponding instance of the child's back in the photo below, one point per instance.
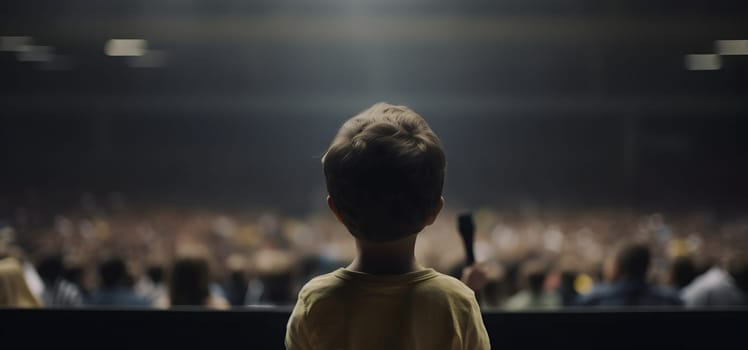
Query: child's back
(416, 310)
(385, 172)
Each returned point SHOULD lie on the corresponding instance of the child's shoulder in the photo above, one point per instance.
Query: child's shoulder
(427, 283)
(320, 285)
(452, 284)
(448, 287)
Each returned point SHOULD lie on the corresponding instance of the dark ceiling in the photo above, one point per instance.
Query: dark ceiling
(582, 100)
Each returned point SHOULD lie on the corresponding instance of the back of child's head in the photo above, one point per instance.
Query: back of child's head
(385, 173)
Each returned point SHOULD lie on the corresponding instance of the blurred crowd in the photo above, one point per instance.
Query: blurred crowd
(104, 252)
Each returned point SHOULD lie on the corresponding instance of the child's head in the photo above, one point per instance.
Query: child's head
(385, 173)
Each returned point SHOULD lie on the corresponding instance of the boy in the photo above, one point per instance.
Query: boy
(384, 172)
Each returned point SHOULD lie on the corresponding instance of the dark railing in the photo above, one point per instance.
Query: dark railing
(264, 328)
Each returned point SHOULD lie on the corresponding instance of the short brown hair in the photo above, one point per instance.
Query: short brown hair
(385, 173)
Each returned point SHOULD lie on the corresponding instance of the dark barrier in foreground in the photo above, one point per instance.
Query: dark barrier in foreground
(265, 328)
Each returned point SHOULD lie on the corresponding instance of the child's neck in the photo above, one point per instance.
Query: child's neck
(387, 258)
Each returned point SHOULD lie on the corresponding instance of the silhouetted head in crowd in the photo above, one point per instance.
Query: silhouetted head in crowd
(51, 268)
(566, 288)
(385, 172)
(513, 277)
(533, 275)
(113, 274)
(276, 270)
(74, 274)
(682, 272)
(277, 288)
(631, 262)
(189, 281)
(155, 274)
(567, 279)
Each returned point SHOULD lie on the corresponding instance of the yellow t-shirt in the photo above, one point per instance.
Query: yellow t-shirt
(347, 310)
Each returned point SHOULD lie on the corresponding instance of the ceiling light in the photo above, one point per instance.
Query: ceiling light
(125, 47)
(731, 47)
(703, 62)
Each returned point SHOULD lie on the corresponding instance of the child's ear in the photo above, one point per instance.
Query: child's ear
(333, 208)
(438, 209)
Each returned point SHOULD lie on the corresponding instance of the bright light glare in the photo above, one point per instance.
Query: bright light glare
(14, 43)
(125, 47)
(732, 47)
(703, 62)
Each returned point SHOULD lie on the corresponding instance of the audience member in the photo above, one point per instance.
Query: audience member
(116, 287)
(14, 291)
(189, 285)
(274, 282)
(475, 277)
(567, 290)
(236, 283)
(719, 286)
(486, 279)
(76, 275)
(682, 272)
(10, 249)
(628, 284)
(58, 292)
(151, 285)
(533, 296)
